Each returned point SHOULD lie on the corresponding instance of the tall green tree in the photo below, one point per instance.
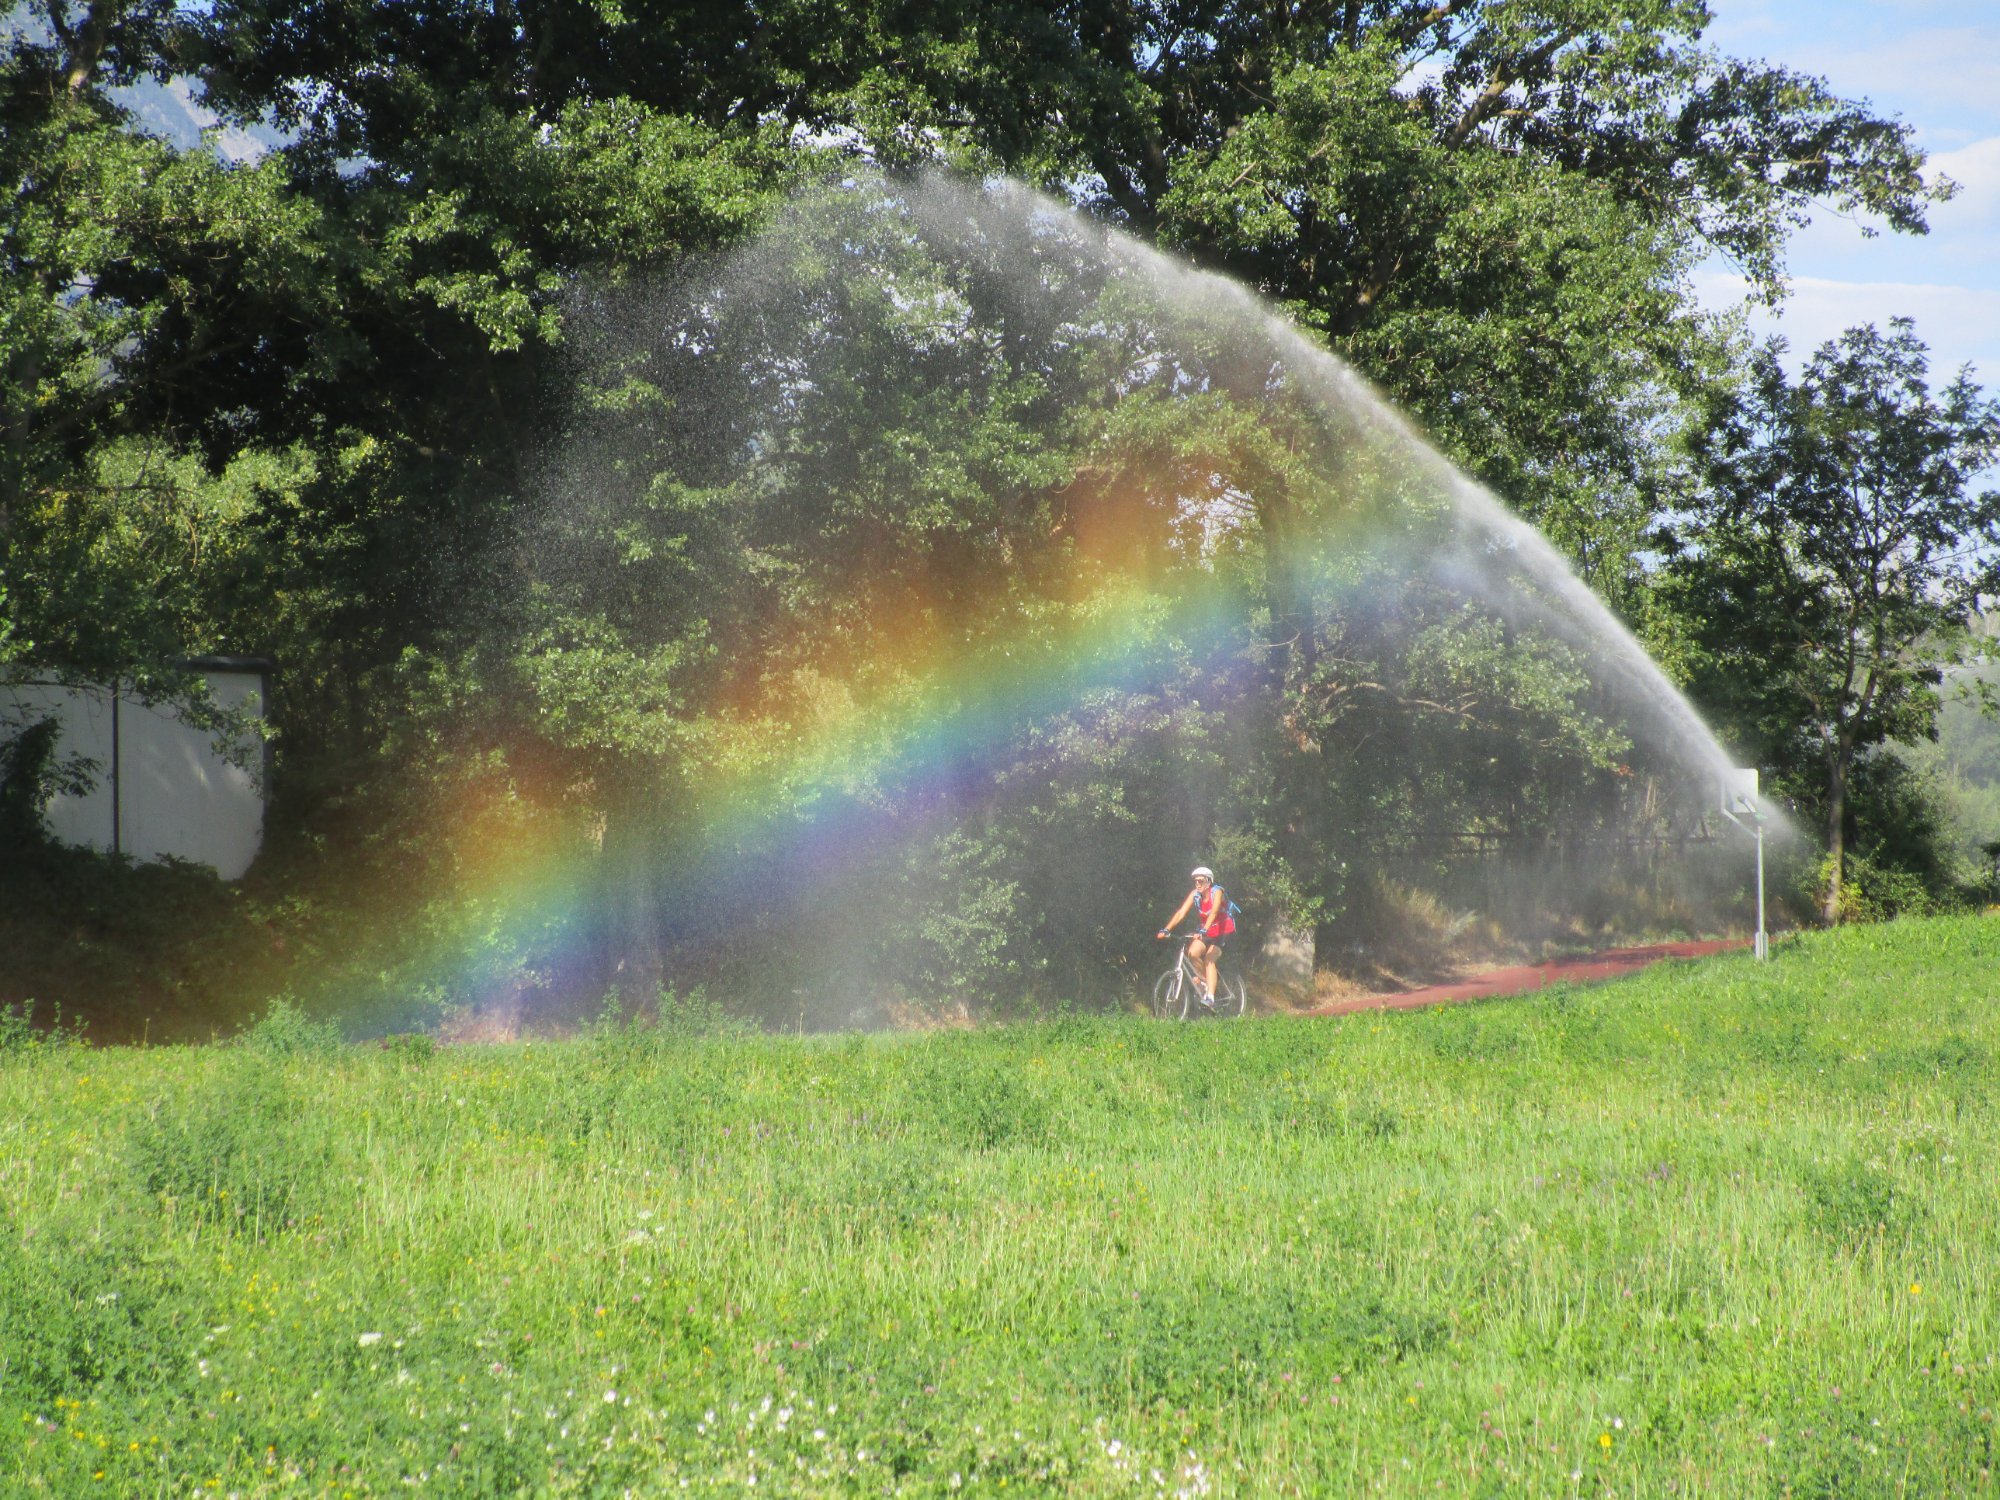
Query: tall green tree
(1490, 205)
(321, 371)
(1837, 556)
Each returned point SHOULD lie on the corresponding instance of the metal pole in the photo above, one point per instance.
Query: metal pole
(1763, 943)
(117, 781)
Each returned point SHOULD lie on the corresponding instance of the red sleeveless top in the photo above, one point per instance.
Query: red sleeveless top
(1215, 902)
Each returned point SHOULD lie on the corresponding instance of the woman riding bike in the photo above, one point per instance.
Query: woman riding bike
(1212, 904)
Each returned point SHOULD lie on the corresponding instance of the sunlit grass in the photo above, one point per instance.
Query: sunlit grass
(1721, 1229)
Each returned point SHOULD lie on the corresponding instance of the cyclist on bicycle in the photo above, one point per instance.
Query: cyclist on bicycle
(1205, 947)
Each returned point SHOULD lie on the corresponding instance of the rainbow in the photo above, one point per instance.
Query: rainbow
(801, 794)
(790, 769)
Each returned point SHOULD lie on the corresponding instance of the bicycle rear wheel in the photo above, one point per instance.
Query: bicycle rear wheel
(1170, 996)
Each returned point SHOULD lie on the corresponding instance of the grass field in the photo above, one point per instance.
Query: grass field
(1721, 1229)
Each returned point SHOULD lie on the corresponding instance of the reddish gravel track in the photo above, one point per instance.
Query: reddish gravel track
(1612, 963)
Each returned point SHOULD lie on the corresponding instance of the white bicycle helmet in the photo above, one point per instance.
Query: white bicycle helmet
(1201, 870)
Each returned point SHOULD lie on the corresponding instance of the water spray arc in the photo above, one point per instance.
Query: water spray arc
(940, 517)
(1482, 520)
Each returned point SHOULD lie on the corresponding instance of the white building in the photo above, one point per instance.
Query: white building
(160, 786)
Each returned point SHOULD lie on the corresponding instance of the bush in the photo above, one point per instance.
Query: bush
(1876, 893)
(19, 1036)
(413, 1047)
(79, 1317)
(158, 948)
(1902, 860)
(671, 1018)
(285, 1030)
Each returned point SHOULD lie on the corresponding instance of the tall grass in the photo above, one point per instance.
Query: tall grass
(1719, 1229)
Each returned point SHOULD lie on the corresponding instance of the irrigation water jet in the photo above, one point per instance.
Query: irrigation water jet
(955, 569)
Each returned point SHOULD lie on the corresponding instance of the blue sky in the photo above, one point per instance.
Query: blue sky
(1936, 65)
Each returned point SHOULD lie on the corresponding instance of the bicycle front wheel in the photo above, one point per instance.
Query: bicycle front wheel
(1170, 996)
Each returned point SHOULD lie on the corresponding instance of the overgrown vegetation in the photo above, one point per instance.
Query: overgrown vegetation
(1723, 1227)
(20, 1034)
(309, 400)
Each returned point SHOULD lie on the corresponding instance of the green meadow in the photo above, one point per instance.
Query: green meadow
(1720, 1229)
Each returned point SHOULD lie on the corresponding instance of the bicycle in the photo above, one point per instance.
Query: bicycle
(1178, 992)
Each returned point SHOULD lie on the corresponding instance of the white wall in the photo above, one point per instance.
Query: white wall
(159, 786)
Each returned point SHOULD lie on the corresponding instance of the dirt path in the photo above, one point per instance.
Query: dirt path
(1612, 963)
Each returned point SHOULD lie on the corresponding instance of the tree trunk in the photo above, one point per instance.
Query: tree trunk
(631, 923)
(83, 44)
(1836, 833)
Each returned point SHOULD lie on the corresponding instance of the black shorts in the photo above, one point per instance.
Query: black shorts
(1214, 942)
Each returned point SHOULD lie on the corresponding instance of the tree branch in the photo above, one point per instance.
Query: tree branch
(1505, 76)
(83, 46)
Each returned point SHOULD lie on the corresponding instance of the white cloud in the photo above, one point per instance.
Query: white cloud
(1961, 324)
(1938, 69)
(1960, 248)
(1976, 170)
(1925, 61)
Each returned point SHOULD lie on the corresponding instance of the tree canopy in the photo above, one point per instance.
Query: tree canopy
(1840, 555)
(316, 402)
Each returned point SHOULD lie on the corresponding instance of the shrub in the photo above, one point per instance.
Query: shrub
(1870, 892)
(285, 1030)
(19, 1036)
(1851, 1201)
(672, 1017)
(413, 1047)
(77, 1317)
